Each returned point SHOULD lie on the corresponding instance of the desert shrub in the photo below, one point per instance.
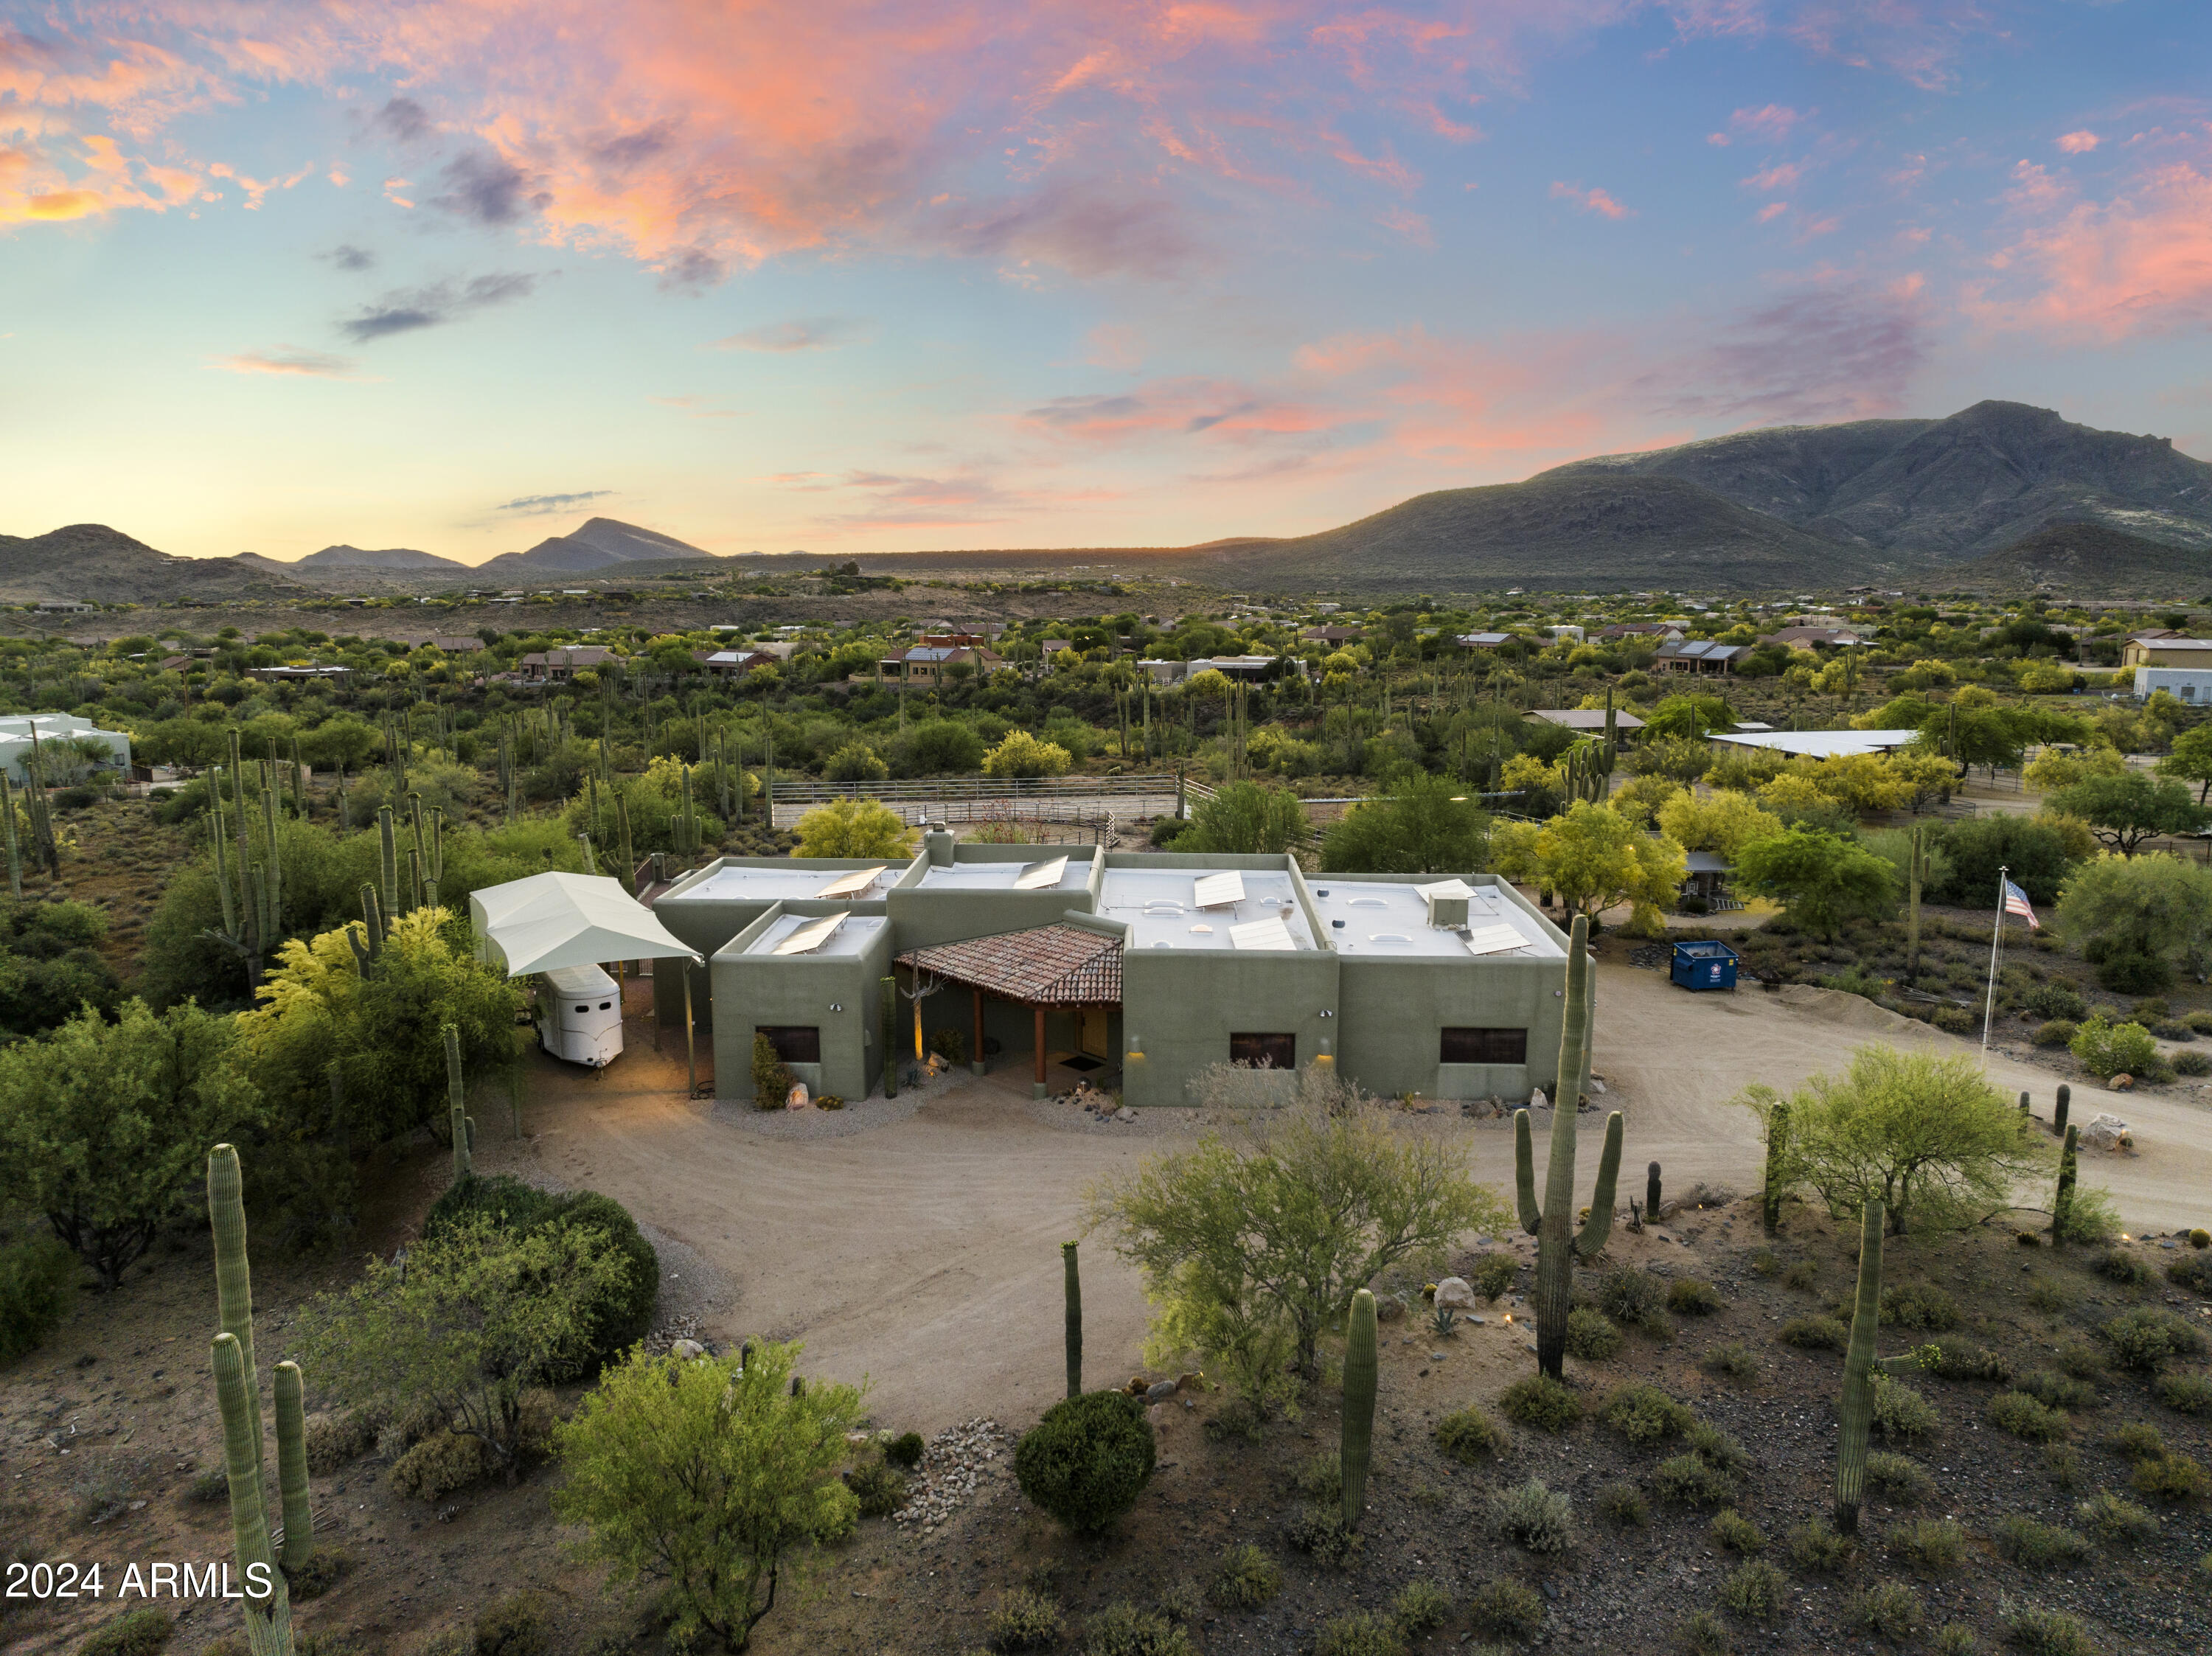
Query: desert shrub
(1022, 1620)
(1645, 1414)
(2190, 1063)
(1934, 1546)
(1691, 1480)
(1898, 1479)
(2146, 1339)
(1901, 1412)
(37, 1290)
(517, 1625)
(1492, 1275)
(2169, 1476)
(2034, 1545)
(1321, 1478)
(136, 1632)
(2192, 1271)
(1955, 1360)
(2057, 1032)
(2137, 1440)
(1730, 1529)
(879, 1487)
(1628, 1296)
(1890, 1609)
(1467, 1435)
(1540, 1401)
(1730, 1362)
(209, 1487)
(2063, 1462)
(1320, 1531)
(1591, 1336)
(336, 1439)
(2024, 1417)
(439, 1465)
(2187, 1394)
(1692, 1297)
(2047, 1295)
(1504, 1606)
(1245, 1579)
(322, 1572)
(1359, 1633)
(2041, 1632)
(1239, 1418)
(1919, 1305)
(2056, 1391)
(1086, 1460)
(1533, 1517)
(772, 1076)
(1420, 1607)
(1623, 1504)
(1755, 1590)
(2121, 1267)
(2108, 1049)
(1955, 1639)
(2113, 1519)
(1814, 1546)
(1701, 1633)
(1764, 1262)
(1715, 1447)
(1123, 1630)
(1814, 1334)
(905, 1450)
(1801, 1274)
(2055, 1000)
(2083, 1359)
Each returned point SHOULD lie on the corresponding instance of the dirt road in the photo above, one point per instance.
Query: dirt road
(924, 1255)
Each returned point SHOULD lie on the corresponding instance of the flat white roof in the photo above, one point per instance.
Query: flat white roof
(1823, 744)
(844, 942)
(1003, 876)
(1159, 906)
(1368, 919)
(768, 885)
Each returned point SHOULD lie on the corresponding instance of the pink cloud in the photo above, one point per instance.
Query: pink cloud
(2137, 263)
(1786, 176)
(2077, 143)
(1772, 210)
(1590, 201)
(289, 361)
(1769, 123)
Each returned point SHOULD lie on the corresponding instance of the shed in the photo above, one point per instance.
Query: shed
(1705, 966)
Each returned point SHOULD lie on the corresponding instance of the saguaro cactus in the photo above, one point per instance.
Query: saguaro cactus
(1651, 1192)
(2058, 1111)
(1778, 1153)
(1857, 1410)
(292, 1467)
(234, 1277)
(268, 1620)
(1073, 1276)
(388, 864)
(1360, 1367)
(1555, 1244)
(2062, 1205)
(8, 831)
(457, 1106)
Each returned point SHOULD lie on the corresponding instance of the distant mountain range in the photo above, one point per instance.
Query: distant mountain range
(1998, 495)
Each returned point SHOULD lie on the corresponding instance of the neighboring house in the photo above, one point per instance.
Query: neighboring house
(1247, 668)
(1807, 638)
(1819, 745)
(733, 663)
(2180, 666)
(932, 664)
(553, 667)
(299, 674)
(1332, 636)
(1650, 632)
(1590, 720)
(457, 644)
(1699, 656)
(21, 734)
(65, 606)
(1138, 972)
(1705, 876)
(1482, 640)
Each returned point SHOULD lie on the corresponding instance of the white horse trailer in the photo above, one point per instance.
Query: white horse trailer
(580, 1015)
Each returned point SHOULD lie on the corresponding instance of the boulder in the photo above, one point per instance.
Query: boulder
(1161, 1391)
(1453, 1294)
(1388, 1308)
(1537, 1101)
(1124, 1114)
(685, 1350)
(798, 1098)
(2107, 1132)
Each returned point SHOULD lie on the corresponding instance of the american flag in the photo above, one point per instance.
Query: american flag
(2016, 903)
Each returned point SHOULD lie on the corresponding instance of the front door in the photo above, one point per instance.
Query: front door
(1090, 1030)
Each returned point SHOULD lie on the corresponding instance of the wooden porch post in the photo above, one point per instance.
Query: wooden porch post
(975, 1055)
(1040, 1049)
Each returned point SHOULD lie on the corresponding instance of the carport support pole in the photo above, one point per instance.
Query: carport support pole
(1038, 1090)
(690, 1046)
(975, 1056)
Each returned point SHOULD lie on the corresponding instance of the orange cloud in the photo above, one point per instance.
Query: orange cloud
(1590, 201)
(288, 360)
(2077, 143)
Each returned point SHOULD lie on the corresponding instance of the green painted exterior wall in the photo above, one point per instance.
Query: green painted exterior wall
(924, 918)
(771, 990)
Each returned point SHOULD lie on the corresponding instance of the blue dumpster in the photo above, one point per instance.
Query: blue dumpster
(1705, 966)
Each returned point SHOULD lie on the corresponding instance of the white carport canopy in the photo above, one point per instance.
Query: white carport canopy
(551, 920)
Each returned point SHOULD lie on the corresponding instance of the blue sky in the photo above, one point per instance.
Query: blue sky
(854, 277)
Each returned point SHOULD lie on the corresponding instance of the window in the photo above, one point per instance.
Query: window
(1265, 1052)
(1483, 1047)
(794, 1043)
(583, 1008)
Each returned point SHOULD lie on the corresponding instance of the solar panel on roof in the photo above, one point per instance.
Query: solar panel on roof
(1453, 887)
(1270, 933)
(1494, 940)
(1211, 890)
(1041, 877)
(810, 936)
(853, 884)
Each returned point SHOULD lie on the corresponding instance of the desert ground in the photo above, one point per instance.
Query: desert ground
(924, 1255)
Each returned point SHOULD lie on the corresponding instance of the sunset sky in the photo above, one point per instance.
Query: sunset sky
(843, 275)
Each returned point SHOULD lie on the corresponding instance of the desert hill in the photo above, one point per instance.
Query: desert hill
(95, 564)
(400, 558)
(599, 544)
(2090, 557)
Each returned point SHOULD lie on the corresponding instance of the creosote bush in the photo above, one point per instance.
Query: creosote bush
(1814, 1546)
(1692, 1297)
(1900, 1412)
(1731, 1362)
(1320, 1532)
(1086, 1460)
(2039, 1632)
(2186, 1394)
(439, 1465)
(1756, 1590)
(2120, 1266)
(1934, 1546)
(1691, 1480)
(2146, 1339)
(2114, 1519)
(1492, 1275)
(1360, 1633)
(2056, 1391)
(1814, 1334)
(1956, 1360)
(1421, 1607)
(2137, 1440)
(1468, 1434)
(1890, 1609)
(1502, 1606)
(1631, 1296)
(1623, 1504)
(1918, 1305)
(1533, 1516)
(2169, 1476)
(2033, 1544)
(1540, 1401)
(134, 1633)
(1732, 1530)
(2024, 1417)
(1645, 1414)
(1701, 1633)
(1123, 1630)
(1245, 1579)
(1898, 1479)
(1591, 1337)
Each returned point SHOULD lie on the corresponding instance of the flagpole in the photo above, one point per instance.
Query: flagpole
(1997, 936)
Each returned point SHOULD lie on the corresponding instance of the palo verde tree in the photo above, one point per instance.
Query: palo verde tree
(1823, 880)
(1419, 824)
(1924, 1134)
(2123, 811)
(1245, 818)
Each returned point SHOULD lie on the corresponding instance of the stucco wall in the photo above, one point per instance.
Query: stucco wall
(757, 990)
(1180, 1007)
(706, 924)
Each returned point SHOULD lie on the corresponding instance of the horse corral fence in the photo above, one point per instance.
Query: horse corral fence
(1095, 803)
